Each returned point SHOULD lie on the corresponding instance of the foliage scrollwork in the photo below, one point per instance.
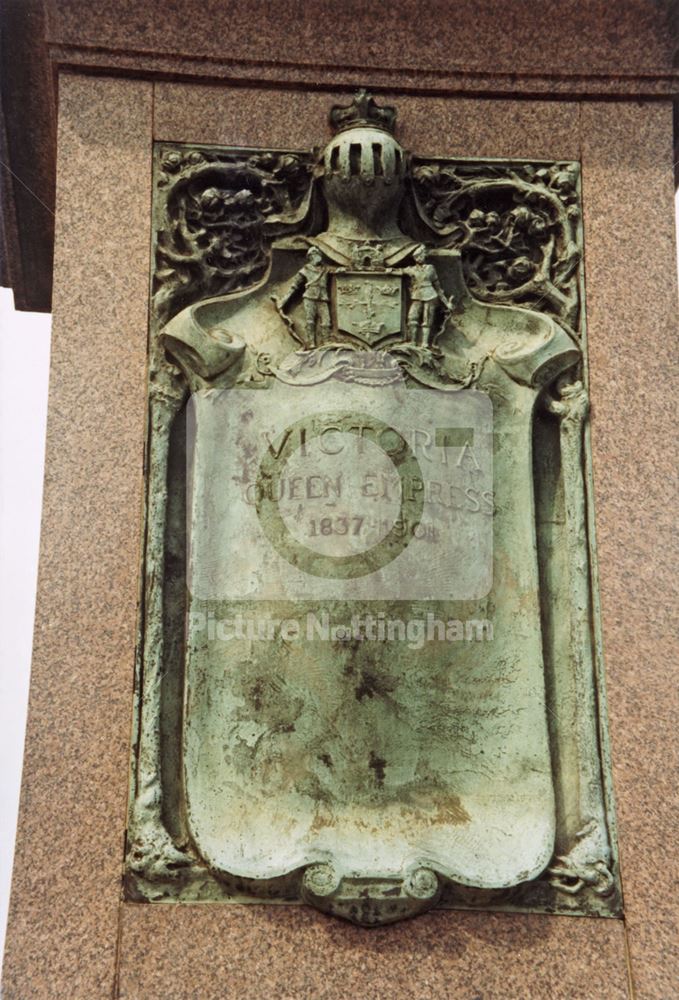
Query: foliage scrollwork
(516, 226)
(221, 211)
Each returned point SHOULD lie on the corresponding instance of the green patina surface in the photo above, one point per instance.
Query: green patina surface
(370, 671)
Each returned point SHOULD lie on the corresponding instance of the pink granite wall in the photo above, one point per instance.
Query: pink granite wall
(70, 935)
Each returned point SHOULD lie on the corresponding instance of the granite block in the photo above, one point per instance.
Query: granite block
(62, 935)
(292, 119)
(69, 935)
(451, 81)
(293, 953)
(559, 36)
(632, 333)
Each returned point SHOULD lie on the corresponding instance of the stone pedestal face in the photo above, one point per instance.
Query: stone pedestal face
(70, 934)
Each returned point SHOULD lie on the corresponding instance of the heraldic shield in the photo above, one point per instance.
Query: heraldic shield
(369, 306)
(369, 669)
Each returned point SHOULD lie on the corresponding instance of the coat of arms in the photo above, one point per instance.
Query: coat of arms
(369, 305)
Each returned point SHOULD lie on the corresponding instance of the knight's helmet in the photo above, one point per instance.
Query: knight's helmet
(364, 167)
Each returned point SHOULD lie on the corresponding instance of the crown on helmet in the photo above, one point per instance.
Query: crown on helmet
(363, 150)
(363, 112)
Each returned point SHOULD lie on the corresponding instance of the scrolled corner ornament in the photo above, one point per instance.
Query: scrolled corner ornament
(369, 778)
